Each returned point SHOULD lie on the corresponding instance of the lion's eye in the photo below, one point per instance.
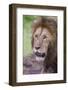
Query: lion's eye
(44, 37)
(36, 36)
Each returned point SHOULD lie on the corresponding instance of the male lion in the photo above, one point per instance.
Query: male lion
(44, 46)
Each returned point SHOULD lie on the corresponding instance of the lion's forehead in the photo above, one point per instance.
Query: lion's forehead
(43, 31)
(38, 31)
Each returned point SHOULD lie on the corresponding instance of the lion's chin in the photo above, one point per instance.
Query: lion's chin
(40, 58)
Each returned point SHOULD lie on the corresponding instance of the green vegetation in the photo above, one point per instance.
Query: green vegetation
(27, 22)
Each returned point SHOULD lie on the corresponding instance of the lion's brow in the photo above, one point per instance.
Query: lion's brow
(41, 31)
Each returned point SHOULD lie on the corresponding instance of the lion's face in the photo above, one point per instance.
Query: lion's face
(41, 40)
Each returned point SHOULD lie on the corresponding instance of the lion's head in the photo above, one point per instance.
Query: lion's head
(44, 35)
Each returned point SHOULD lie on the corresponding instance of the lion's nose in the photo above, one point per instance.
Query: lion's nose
(37, 48)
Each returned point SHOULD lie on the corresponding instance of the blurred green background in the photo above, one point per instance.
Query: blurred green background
(27, 23)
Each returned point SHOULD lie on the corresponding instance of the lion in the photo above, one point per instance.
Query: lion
(44, 47)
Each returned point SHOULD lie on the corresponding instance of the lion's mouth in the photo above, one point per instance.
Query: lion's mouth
(40, 54)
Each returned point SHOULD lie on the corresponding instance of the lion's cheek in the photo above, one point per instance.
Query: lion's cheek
(44, 47)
